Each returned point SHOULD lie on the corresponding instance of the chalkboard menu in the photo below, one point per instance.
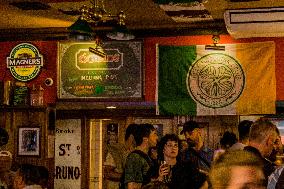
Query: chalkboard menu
(20, 95)
(112, 71)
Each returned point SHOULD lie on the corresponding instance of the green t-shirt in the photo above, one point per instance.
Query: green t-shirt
(136, 169)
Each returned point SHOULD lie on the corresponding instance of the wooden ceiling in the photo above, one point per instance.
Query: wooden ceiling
(143, 17)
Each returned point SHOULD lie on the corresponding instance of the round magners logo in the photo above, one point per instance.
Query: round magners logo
(24, 62)
(215, 80)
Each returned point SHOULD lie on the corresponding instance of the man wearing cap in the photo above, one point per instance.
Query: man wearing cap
(6, 175)
(196, 153)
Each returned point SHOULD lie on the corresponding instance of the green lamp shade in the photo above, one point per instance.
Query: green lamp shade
(81, 26)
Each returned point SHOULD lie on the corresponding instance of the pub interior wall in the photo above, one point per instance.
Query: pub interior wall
(49, 51)
(215, 125)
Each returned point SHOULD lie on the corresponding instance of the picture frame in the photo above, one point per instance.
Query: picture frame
(29, 141)
(116, 75)
(112, 133)
(162, 125)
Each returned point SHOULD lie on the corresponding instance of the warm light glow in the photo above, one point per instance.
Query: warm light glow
(111, 107)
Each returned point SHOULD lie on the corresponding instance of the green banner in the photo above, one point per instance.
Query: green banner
(174, 63)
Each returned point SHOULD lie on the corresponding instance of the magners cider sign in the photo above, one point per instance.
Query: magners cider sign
(24, 62)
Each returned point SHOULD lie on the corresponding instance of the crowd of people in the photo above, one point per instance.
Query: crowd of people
(247, 160)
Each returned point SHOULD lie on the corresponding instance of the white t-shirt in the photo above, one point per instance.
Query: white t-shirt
(110, 162)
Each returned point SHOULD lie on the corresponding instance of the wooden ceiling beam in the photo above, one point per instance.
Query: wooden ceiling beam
(39, 34)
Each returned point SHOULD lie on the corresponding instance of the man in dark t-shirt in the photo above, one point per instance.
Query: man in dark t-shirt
(138, 163)
(262, 138)
(196, 153)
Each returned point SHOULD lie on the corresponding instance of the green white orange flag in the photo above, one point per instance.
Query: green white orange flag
(237, 81)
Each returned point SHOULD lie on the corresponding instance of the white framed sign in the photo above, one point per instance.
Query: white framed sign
(68, 154)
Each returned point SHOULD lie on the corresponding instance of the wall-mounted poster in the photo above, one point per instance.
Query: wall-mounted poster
(29, 141)
(25, 62)
(112, 71)
(112, 133)
(68, 171)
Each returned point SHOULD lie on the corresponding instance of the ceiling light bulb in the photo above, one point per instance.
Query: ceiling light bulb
(111, 107)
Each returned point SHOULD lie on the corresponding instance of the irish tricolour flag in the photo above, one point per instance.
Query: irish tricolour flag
(237, 81)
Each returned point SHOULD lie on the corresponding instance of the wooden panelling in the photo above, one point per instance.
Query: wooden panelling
(13, 118)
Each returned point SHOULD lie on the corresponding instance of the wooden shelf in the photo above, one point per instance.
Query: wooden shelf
(22, 108)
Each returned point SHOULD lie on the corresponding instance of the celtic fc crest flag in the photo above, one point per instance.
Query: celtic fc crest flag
(237, 81)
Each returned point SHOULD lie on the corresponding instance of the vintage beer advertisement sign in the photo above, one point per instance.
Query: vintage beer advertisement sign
(68, 171)
(111, 71)
(25, 62)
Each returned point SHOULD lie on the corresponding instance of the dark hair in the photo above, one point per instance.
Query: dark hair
(130, 130)
(189, 126)
(44, 175)
(163, 142)
(243, 129)
(4, 136)
(29, 173)
(143, 130)
(228, 139)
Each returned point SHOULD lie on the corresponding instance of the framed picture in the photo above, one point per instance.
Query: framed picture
(112, 133)
(29, 141)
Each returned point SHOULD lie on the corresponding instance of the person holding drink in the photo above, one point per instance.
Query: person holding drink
(174, 172)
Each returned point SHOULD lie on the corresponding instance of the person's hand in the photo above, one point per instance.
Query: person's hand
(164, 170)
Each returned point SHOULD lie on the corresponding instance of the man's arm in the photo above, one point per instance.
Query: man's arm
(111, 174)
(134, 185)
